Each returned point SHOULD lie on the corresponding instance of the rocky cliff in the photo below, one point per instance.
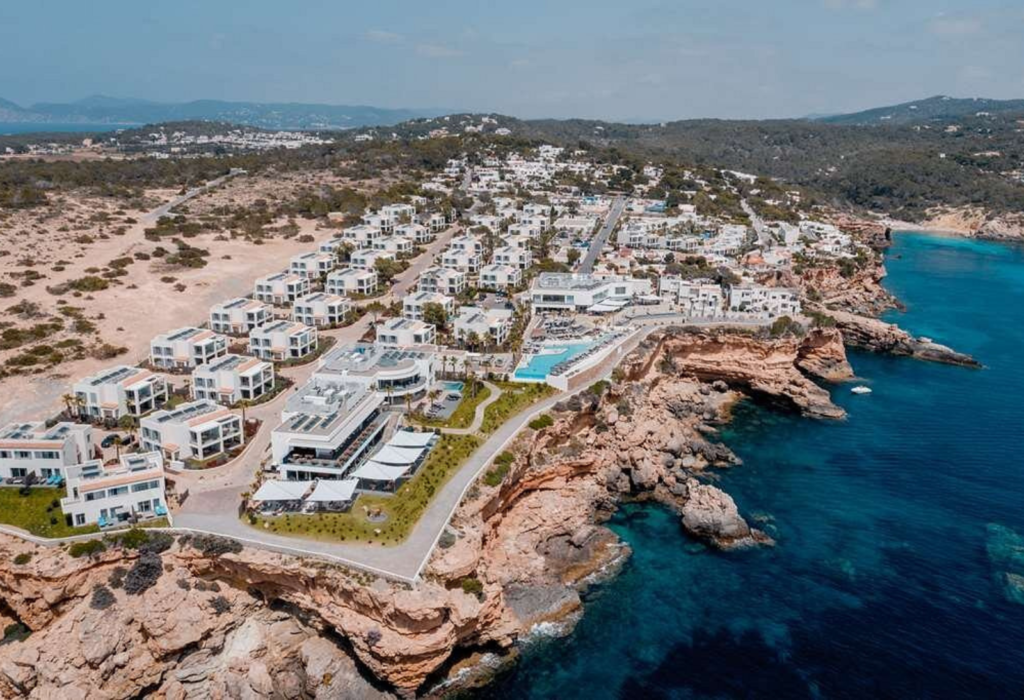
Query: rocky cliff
(874, 335)
(202, 617)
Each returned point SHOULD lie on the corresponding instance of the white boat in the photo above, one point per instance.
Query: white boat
(861, 390)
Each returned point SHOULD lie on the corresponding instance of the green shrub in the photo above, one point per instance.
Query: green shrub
(102, 598)
(23, 558)
(472, 586)
(144, 574)
(542, 421)
(86, 548)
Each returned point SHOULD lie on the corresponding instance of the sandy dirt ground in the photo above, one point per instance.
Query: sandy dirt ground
(126, 315)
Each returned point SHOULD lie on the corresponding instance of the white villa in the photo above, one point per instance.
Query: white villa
(239, 316)
(281, 288)
(186, 347)
(120, 391)
(404, 332)
(232, 378)
(196, 430)
(491, 326)
(461, 260)
(33, 448)
(500, 277)
(700, 298)
(442, 280)
(366, 258)
(351, 281)
(554, 291)
(312, 265)
(282, 340)
(361, 236)
(412, 304)
(110, 494)
(395, 245)
(321, 309)
(773, 301)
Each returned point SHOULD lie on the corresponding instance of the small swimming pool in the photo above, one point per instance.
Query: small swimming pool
(540, 366)
(453, 386)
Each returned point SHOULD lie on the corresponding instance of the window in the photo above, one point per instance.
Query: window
(79, 519)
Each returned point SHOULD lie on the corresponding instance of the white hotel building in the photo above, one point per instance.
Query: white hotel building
(404, 333)
(196, 430)
(111, 494)
(282, 340)
(239, 316)
(321, 309)
(351, 281)
(281, 288)
(312, 265)
(32, 448)
(120, 391)
(232, 378)
(186, 347)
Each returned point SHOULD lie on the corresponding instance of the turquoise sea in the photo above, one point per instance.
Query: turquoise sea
(884, 582)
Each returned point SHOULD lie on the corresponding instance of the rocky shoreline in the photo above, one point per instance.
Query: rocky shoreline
(218, 620)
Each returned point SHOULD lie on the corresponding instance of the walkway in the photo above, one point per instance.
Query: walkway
(478, 416)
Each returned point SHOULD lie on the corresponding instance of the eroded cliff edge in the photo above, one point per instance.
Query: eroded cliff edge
(217, 620)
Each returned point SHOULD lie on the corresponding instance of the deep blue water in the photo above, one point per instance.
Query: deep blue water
(10, 128)
(880, 586)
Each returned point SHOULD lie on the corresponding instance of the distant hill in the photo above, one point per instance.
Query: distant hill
(939, 108)
(100, 109)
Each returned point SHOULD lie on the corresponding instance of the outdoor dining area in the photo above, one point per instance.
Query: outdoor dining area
(277, 497)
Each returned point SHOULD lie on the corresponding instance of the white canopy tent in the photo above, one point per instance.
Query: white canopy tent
(276, 490)
(607, 306)
(406, 438)
(397, 456)
(331, 490)
(375, 471)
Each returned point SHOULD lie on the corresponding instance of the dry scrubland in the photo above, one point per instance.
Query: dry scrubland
(83, 285)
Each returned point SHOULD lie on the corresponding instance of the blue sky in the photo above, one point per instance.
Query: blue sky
(627, 59)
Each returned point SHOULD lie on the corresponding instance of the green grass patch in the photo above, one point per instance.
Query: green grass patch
(502, 463)
(462, 416)
(400, 512)
(38, 512)
(514, 399)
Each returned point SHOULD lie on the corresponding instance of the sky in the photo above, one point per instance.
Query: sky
(623, 60)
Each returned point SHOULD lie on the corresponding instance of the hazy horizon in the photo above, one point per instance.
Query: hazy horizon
(642, 63)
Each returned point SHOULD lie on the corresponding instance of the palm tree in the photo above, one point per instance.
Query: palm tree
(128, 424)
(117, 446)
(69, 401)
(79, 404)
(244, 404)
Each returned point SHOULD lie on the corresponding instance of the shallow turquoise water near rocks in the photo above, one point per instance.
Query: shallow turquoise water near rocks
(886, 578)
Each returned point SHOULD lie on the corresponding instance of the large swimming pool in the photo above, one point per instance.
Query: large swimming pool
(540, 366)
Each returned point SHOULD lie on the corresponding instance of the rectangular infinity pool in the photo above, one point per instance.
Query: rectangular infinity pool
(540, 366)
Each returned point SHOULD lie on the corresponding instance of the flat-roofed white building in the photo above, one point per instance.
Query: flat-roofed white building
(33, 448)
(517, 241)
(232, 378)
(362, 236)
(758, 299)
(553, 291)
(282, 340)
(699, 298)
(351, 281)
(281, 288)
(404, 332)
(412, 304)
(395, 245)
(120, 391)
(521, 258)
(312, 265)
(321, 309)
(525, 230)
(436, 221)
(491, 326)
(239, 316)
(186, 347)
(467, 243)
(443, 280)
(500, 276)
(418, 233)
(111, 494)
(332, 245)
(396, 373)
(195, 430)
(326, 429)
(461, 260)
(366, 258)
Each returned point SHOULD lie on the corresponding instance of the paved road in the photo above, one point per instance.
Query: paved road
(601, 239)
(163, 209)
(764, 236)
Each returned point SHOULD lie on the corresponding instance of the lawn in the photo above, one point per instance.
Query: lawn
(39, 512)
(462, 416)
(402, 510)
(514, 399)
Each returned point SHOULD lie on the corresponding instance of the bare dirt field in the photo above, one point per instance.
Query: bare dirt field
(77, 237)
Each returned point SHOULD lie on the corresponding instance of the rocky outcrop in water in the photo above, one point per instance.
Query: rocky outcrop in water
(878, 336)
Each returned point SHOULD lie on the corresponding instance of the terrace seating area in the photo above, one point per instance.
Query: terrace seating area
(606, 342)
